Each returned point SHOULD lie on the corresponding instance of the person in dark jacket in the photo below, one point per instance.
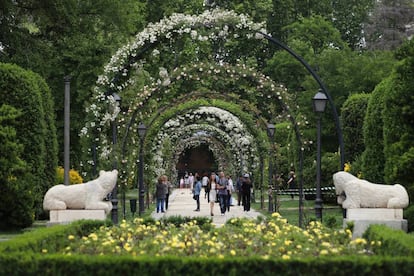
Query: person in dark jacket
(246, 191)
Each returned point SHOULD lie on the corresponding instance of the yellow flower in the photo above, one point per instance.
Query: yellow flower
(359, 241)
(324, 252)
(326, 244)
(93, 236)
(44, 250)
(232, 252)
(285, 257)
(71, 237)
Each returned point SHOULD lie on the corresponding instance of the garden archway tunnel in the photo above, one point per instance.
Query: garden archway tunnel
(224, 72)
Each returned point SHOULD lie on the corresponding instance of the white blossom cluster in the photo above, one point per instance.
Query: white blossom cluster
(184, 132)
(210, 25)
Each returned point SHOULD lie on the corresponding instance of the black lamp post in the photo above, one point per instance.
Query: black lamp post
(270, 133)
(114, 196)
(142, 129)
(319, 104)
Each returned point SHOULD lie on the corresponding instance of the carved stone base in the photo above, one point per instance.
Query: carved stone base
(67, 216)
(364, 217)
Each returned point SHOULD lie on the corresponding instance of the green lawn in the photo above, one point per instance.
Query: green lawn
(289, 209)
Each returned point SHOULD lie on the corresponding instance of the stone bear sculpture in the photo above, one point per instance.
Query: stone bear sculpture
(353, 192)
(88, 195)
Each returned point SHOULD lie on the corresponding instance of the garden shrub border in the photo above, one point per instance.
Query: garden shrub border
(395, 241)
(19, 257)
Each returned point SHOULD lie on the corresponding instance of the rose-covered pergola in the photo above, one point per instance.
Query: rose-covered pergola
(192, 79)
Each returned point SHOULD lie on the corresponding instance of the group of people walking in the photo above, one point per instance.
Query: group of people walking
(219, 189)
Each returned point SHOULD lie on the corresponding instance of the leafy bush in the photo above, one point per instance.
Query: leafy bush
(409, 216)
(373, 159)
(16, 205)
(35, 130)
(391, 241)
(352, 118)
(74, 176)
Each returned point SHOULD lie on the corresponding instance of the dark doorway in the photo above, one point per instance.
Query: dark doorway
(196, 160)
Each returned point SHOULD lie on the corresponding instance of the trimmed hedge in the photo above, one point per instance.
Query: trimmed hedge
(24, 264)
(50, 238)
(395, 242)
(27, 92)
(373, 157)
(352, 118)
(22, 256)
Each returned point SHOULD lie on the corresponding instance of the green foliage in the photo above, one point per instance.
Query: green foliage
(373, 157)
(409, 213)
(329, 165)
(10, 161)
(67, 37)
(352, 118)
(203, 222)
(396, 241)
(319, 33)
(50, 238)
(35, 131)
(330, 221)
(398, 119)
(23, 255)
(16, 208)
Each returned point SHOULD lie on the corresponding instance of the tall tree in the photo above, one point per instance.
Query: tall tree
(348, 17)
(389, 24)
(68, 37)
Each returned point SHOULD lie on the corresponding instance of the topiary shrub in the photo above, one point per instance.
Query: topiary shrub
(35, 131)
(352, 118)
(373, 158)
(16, 207)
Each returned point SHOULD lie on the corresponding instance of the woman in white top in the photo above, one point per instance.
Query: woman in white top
(213, 193)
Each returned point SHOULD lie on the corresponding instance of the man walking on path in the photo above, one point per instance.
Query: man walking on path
(222, 192)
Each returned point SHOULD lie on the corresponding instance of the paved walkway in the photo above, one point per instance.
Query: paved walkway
(181, 203)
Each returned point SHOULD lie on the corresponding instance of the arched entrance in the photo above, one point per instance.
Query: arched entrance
(199, 159)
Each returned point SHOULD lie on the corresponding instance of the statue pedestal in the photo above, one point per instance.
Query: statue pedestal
(364, 217)
(67, 216)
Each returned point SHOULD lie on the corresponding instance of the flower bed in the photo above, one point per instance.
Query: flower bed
(196, 247)
(267, 238)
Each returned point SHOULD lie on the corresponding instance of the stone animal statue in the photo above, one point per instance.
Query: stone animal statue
(353, 192)
(88, 195)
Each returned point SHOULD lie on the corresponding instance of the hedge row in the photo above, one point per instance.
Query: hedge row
(22, 256)
(395, 242)
(125, 265)
(35, 131)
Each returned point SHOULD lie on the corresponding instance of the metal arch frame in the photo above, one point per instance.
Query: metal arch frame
(310, 70)
(322, 87)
